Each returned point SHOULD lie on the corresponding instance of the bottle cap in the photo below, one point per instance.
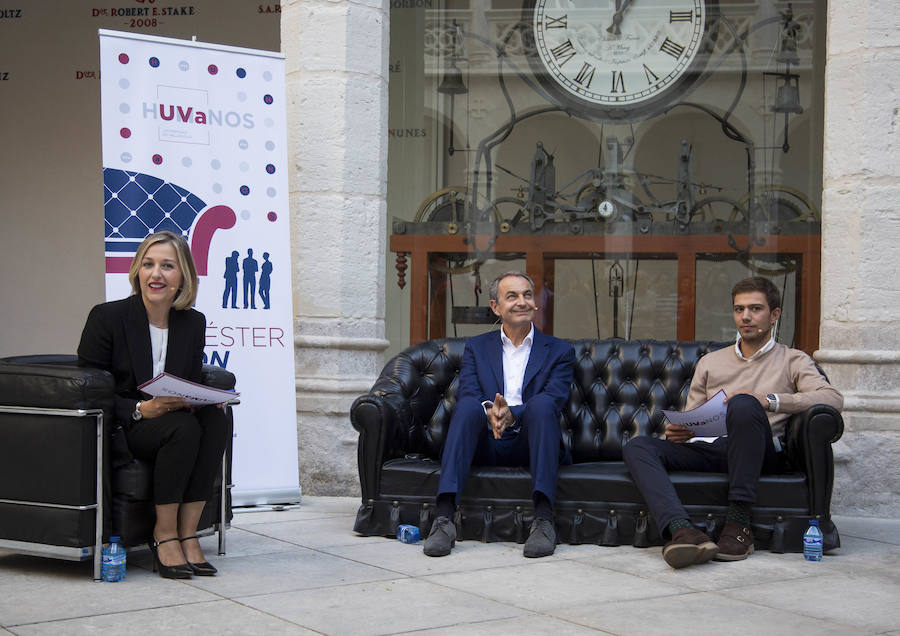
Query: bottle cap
(114, 538)
(814, 522)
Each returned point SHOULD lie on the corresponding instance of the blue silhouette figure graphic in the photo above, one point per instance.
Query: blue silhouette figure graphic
(265, 274)
(250, 268)
(231, 272)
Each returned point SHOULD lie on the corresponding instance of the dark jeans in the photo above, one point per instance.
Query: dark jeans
(537, 445)
(747, 452)
(186, 449)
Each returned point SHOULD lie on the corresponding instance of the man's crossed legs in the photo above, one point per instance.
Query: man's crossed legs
(744, 454)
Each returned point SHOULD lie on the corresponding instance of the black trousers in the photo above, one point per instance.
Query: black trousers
(747, 452)
(186, 449)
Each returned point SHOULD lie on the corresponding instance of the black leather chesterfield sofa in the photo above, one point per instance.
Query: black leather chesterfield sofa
(56, 419)
(618, 392)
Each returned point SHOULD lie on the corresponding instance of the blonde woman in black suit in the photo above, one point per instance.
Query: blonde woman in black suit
(135, 339)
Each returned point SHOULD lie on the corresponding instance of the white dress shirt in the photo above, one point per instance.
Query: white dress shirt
(762, 350)
(515, 359)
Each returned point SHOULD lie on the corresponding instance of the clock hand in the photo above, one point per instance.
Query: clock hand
(621, 5)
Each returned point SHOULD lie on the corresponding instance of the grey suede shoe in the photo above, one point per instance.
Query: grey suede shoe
(441, 538)
(541, 540)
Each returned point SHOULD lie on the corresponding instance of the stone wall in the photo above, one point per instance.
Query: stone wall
(336, 67)
(859, 338)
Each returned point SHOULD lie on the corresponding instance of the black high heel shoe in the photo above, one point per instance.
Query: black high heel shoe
(200, 569)
(180, 571)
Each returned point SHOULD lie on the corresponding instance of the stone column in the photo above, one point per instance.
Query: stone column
(336, 72)
(860, 339)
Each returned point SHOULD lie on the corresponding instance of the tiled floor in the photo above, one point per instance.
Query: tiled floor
(305, 571)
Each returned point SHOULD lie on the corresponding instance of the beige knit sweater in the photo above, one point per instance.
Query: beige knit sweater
(788, 373)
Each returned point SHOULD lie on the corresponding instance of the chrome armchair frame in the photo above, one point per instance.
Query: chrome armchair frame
(82, 553)
(93, 552)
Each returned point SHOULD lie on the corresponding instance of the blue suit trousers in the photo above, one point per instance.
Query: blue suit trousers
(537, 444)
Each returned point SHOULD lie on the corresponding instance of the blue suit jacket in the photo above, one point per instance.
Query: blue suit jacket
(549, 370)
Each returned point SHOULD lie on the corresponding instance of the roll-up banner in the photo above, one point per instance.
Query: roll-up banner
(194, 141)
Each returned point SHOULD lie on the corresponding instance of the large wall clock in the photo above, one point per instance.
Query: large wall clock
(619, 60)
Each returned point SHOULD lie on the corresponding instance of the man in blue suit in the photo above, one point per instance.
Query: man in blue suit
(513, 384)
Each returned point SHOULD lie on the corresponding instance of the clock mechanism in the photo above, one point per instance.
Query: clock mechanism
(615, 63)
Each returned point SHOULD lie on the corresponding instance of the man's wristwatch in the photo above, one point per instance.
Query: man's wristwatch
(137, 411)
(773, 402)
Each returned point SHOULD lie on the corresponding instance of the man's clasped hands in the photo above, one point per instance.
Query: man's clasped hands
(499, 416)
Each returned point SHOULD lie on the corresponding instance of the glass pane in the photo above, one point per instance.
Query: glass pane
(714, 318)
(680, 139)
(634, 299)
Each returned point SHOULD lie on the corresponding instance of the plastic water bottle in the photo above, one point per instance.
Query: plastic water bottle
(408, 534)
(112, 563)
(812, 542)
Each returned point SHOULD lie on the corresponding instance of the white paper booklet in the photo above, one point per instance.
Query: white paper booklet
(168, 385)
(707, 420)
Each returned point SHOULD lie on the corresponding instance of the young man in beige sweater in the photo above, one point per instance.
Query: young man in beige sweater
(765, 383)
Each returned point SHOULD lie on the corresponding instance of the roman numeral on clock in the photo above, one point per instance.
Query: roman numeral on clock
(671, 48)
(618, 82)
(564, 52)
(648, 74)
(585, 75)
(681, 16)
(557, 23)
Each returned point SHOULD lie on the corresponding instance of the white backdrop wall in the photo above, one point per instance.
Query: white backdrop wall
(51, 189)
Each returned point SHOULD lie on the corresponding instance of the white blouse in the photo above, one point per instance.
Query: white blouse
(159, 340)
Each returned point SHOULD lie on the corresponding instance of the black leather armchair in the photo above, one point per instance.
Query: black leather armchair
(618, 392)
(67, 478)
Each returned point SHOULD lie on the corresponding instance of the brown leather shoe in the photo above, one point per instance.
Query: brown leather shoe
(735, 543)
(688, 546)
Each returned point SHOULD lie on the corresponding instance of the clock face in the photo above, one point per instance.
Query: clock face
(618, 59)
(606, 209)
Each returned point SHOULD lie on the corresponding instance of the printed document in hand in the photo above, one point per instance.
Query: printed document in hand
(707, 420)
(168, 385)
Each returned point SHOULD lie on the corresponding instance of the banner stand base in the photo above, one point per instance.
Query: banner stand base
(278, 497)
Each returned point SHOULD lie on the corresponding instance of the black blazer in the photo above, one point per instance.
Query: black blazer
(116, 338)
